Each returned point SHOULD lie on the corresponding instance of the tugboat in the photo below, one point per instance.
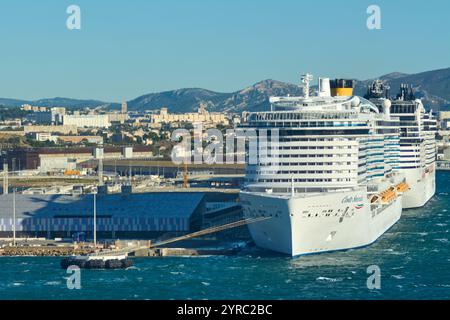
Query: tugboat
(97, 262)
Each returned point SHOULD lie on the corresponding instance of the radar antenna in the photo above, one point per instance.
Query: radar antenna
(306, 79)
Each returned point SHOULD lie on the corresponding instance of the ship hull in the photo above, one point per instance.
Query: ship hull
(316, 224)
(423, 187)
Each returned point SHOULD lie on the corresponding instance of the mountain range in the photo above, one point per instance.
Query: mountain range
(432, 86)
(56, 102)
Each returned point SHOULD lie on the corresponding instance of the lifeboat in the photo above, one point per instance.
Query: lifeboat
(374, 198)
(388, 195)
(402, 187)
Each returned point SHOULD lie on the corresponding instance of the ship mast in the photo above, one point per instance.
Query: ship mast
(306, 79)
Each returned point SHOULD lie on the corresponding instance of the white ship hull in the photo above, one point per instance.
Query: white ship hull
(317, 223)
(423, 187)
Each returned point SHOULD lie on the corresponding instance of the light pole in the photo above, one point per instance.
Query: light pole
(95, 220)
(14, 217)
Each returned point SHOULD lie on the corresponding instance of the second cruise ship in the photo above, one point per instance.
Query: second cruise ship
(329, 182)
(417, 141)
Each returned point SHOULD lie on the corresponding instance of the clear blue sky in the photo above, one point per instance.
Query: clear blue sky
(129, 48)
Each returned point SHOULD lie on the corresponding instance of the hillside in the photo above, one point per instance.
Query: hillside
(432, 86)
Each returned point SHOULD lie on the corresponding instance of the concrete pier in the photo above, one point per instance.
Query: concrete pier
(43, 251)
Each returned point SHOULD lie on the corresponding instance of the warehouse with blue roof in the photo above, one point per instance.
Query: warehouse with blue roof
(132, 216)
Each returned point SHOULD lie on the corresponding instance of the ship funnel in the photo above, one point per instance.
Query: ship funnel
(342, 87)
(387, 107)
(324, 87)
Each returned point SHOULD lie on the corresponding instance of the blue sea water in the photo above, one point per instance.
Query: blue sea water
(413, 257)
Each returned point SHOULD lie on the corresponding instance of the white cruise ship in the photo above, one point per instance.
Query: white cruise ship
(417, 142)
(329, 183)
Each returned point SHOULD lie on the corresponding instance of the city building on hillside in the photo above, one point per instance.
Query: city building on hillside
(444, 120)
(43, 136)
(117, 117)
(87, 121)
(124, 107)
(27, 107)
(53, 116)
(64, 129)
(201, 116)
(11, 123)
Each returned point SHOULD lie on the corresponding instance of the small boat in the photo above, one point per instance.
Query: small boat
(97, 262)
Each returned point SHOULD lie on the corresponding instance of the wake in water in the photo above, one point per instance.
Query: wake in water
(329, 279)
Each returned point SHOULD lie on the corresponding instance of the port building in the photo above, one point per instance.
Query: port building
(51, 159)
(124, 216)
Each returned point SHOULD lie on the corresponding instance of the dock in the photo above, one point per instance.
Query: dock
(155, 249)
(44, 251)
